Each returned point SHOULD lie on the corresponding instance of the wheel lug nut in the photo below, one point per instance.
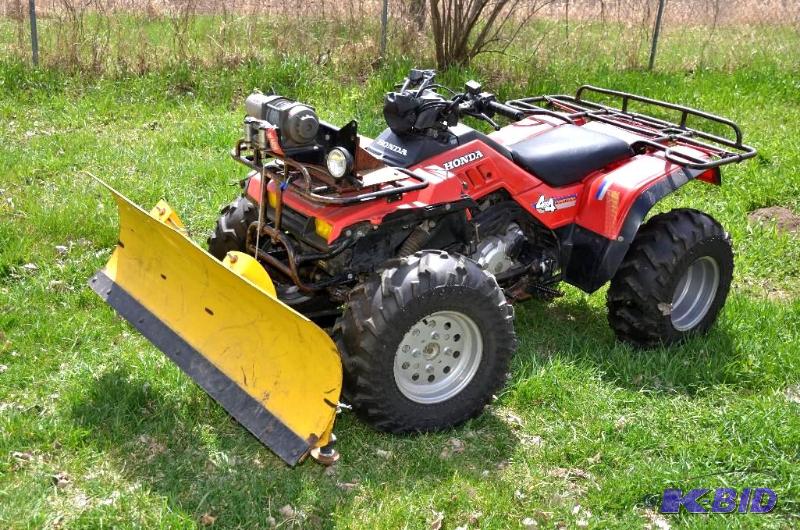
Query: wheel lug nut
(429, 368)
(415, 353)
(435, 336)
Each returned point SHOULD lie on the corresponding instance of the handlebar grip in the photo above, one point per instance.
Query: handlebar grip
(504, 110)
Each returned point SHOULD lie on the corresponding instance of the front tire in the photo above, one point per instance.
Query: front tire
(230, 232)
(673, 281)
(425, 343)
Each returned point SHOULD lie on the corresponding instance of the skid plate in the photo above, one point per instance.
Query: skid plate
(271, 368)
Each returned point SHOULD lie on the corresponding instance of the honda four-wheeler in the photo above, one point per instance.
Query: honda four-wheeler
(388, 266)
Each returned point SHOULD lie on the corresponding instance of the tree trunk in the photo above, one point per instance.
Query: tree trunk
(463, 29)
(417, 12)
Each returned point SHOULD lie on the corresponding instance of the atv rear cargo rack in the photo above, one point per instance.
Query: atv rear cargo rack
(659, 134)
(325, 194)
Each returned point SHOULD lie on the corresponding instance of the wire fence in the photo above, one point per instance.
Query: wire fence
(139, 35)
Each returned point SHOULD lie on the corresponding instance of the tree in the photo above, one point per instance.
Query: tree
(463, 29)
(416, 11)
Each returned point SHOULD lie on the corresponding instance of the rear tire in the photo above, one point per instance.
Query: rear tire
(673, 281)
(415, 318)
(230, 233)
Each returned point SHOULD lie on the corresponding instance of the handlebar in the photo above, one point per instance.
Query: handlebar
(504, 110)
(432, 110)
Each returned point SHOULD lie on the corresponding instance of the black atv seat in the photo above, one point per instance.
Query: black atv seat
(568, 153)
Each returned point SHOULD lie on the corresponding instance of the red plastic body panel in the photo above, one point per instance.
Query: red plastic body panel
(441, 190)
(600, 202)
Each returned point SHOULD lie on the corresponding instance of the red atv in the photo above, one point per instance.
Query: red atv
(409, 247)
(406, 251)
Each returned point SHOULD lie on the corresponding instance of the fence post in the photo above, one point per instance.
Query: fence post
(34, 33)
(384, 27)
(656, 32)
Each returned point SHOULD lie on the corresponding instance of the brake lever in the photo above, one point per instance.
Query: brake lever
(484, 117)
(491, 122)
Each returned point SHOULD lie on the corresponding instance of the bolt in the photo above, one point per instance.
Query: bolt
(233, 257)
(432, 323)
(435, 336)
(406, 348)
(415, 353)
(429, 368)
(348, 233)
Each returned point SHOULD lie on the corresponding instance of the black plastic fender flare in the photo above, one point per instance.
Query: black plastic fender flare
(589, 259)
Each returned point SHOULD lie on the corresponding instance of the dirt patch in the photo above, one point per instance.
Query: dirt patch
(785, 219)
(764, 287)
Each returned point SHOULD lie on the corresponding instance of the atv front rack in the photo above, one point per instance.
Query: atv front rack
(325, 194)
(659, 134)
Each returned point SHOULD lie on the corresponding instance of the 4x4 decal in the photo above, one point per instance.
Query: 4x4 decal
(545, 205)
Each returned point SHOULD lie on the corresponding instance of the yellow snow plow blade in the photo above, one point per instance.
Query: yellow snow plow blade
(271, 368)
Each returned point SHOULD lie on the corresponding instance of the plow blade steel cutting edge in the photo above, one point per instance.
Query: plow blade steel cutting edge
(271, 368)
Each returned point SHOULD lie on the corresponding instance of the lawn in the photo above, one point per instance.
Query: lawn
(97, 428)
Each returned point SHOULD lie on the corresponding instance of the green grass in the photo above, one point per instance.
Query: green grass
(584, 422)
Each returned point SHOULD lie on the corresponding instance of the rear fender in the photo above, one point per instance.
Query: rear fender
(591, 259)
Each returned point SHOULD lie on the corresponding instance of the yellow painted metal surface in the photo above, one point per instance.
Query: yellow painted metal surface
(164, 213)
(276, 355)
(248, 267)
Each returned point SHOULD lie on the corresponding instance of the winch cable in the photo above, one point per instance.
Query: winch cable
(260, 211)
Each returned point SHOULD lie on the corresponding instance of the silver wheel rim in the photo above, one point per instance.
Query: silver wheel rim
(695, 293)
(438, 357)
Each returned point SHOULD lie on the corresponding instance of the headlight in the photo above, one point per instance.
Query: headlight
(339, 162)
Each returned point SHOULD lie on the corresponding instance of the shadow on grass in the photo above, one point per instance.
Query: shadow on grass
(576, 332)
(185, 447)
